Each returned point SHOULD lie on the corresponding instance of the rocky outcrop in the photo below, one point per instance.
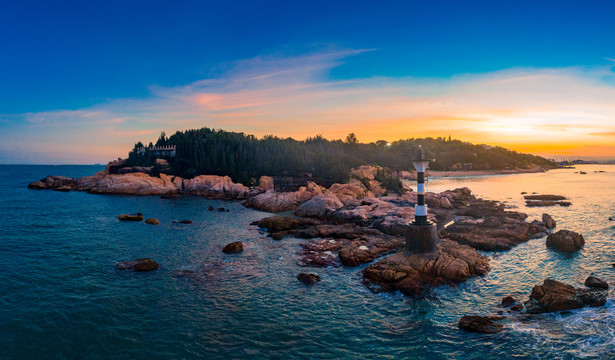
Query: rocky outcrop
(485, 225)
(548, 221)
(319, 206)
(139, 265)
(308, 279)
(351, 191)
(126, 184)
(554, 296)
(130, 217)
(565, 241)
(480, 324)
(233, 247)
(413, 274)
(272, 201)
(508, 301)
(60, 183)
(595, 282)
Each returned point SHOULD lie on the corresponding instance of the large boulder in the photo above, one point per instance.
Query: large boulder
(548, 221)
(480, 324)
(266, 183)
(272, 201)
(565, 241)
(319, 206)
(152, 221)
(553, 296)
(595, 282)
(214, 186)
(351, 191)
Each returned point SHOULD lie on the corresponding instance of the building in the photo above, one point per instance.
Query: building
(159, 151)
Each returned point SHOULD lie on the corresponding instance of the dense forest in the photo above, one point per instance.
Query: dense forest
(245, 157)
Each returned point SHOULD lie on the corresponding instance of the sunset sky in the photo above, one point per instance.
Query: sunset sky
(81, 82)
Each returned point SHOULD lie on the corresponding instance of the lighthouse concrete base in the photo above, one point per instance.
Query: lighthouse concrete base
(421, 238)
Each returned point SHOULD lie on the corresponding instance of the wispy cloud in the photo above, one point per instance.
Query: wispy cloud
(548, 111)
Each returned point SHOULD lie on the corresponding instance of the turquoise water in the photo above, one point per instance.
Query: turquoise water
(62, 297)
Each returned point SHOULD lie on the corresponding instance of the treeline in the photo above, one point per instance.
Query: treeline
(245, 157)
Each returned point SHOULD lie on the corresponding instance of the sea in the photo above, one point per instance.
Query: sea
(62, 297)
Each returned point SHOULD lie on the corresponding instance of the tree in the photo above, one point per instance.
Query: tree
(351, 139)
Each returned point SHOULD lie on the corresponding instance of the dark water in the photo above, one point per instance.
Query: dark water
(62, 298)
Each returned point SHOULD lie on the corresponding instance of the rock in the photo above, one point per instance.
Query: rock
(272, 201)
(211, 208)
(152, 221)
(283, 223)
(126, 184)
(480, 324)
(517, 307)
(565, 241)
(139, 265)
(413, 274)
(595, 282)
(537, 203)
(445, 203)
(128, 217)
(233, 247)
(59, 183)
(319, 206)
(266, 183)
(308, 279)
(216, 187)
(544, 197)
(556, 296)
(352, 191)
(548, 221)
(183, 222)
(508, 301)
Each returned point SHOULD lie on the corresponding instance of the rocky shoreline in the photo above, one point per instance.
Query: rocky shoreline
(361, 223)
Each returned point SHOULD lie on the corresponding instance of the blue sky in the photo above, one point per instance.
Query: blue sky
(81, 57)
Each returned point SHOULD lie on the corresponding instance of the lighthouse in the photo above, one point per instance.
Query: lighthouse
(421, 234)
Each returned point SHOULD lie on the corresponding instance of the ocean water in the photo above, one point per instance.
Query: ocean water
(61, 296)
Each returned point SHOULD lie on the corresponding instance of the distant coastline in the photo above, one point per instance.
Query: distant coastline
(462, 173)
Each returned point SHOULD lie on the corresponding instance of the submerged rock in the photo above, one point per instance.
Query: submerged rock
(152, 221)
(508, 301)
(129, 217)
(233, 247)
(183, 222)
(139, 265)
(308, 279)
(595, 282)
(553, 296)
(544, 197)
(565, 241)
(480, 324)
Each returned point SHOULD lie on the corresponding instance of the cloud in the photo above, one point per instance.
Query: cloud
(548, 111)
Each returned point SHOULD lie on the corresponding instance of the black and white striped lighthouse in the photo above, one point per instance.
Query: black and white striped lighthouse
(420, 210)
(421, 234)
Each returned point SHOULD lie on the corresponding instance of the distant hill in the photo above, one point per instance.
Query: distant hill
(245, 157)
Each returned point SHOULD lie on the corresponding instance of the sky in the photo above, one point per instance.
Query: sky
(82, 82)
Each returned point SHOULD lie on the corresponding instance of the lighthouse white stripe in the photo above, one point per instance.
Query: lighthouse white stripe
(420, 210)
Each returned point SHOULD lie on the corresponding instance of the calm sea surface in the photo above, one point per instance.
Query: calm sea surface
(62, 298)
